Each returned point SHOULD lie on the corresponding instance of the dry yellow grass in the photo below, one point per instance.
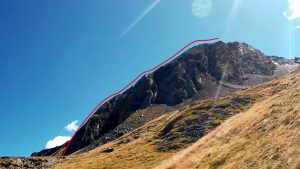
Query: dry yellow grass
(265, 134)
(134, 150)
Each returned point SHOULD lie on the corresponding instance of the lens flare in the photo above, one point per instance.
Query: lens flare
(201, 8)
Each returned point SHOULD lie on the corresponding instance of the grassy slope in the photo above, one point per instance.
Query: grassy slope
(265, 136)
(259, 129)
(134, 150)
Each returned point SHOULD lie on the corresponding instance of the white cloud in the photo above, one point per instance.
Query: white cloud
(294, 10)
(297, 27)
(57, 141)
(72, 126)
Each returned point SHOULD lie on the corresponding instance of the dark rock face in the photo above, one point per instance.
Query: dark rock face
(47, 152)
(179, 80)
(134, 121)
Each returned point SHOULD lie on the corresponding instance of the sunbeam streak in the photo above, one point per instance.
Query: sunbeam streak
(221, 81)
(233, 11)
(224, 73)
(140, 17)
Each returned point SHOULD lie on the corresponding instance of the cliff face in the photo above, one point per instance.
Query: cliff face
(195, 73)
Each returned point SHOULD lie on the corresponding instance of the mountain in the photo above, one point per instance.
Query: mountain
(252, 128)
(204, 109)
(197, 74)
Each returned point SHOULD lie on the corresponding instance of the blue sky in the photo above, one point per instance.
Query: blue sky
(58, 59)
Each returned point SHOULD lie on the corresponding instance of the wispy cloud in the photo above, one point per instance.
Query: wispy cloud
(140, 17)
(294, 10)
(72, 126)
(57, 141)
(297, 27)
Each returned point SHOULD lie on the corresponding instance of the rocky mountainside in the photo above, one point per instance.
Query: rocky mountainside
(252, 128)
(196, 74)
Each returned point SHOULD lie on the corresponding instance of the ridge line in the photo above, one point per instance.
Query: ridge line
(129, 84)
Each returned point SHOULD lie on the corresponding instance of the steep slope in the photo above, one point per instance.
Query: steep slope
(253, 128)
(181, 79)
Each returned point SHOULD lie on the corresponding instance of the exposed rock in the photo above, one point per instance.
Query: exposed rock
(280, 60)
(176, 82)
(194, 74)
(50, 151)
(197, 121)
(28, 163)
(109, 150)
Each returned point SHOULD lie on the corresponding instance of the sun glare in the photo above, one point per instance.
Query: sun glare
(201, 8)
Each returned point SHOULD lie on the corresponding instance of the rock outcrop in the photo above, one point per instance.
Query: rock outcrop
(28, 163)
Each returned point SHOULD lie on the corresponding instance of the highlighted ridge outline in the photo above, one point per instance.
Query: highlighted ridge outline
(129, 85)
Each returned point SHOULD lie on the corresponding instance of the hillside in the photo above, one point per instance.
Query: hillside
(265, 136)
(253, 128)
(194, 75)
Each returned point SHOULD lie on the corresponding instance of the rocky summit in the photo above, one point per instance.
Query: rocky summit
(196, 74)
